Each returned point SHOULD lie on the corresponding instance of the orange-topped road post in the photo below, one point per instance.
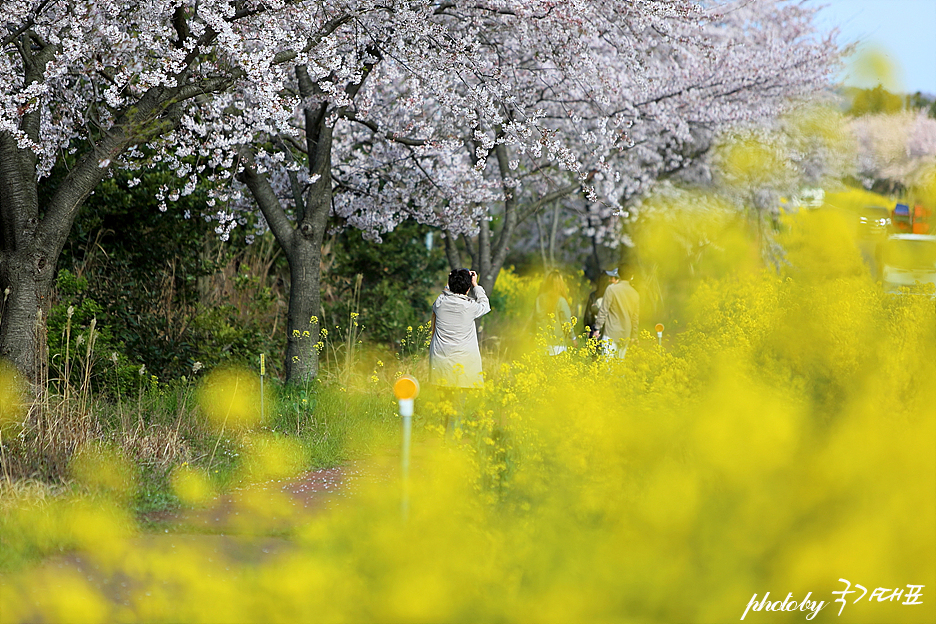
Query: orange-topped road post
(659, 331)
(406, 389)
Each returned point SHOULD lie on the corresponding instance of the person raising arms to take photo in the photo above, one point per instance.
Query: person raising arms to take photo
(454, 354)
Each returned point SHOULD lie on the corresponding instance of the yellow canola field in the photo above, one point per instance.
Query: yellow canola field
(786, 443)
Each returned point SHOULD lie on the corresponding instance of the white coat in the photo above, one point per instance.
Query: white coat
(454, 355)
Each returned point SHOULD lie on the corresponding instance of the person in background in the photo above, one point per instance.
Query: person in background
(593, 304)
(553, 314)
(619, 314)
(454, 355)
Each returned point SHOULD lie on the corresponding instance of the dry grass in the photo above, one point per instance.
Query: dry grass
(155, 445)
(27, 493)
(62, 418)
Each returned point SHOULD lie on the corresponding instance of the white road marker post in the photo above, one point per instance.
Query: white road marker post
(406, 390)
(659, 331)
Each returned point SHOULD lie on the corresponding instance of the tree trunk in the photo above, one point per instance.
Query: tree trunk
(451, 251)
(540, 239)
(302, 239)
(29, 251)
(305, 302)
(26, 271)
(25, 309)
(484, 267)
(31, 246)
(301, 242)
(554, 230)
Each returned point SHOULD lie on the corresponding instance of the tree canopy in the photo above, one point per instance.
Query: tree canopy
(370, 111)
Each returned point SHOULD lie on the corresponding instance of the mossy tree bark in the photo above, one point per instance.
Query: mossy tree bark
(32, 235)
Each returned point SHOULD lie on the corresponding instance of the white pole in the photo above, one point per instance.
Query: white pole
(406, 413)
(406, 390)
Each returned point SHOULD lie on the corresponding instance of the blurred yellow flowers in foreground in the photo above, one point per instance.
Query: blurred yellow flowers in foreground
(786, 440)
(230, 399)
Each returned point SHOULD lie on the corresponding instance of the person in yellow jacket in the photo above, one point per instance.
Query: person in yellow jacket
(619, 315)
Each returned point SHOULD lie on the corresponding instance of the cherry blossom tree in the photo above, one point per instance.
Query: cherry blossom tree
(547, 100)
(99, 84)
(751, 63)
(895, 151)
(411, 132)
(369, 111)
(217, 88)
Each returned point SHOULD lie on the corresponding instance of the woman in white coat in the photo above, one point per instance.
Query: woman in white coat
(454, 355)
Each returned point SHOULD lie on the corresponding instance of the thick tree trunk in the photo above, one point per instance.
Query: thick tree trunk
(305, 303)
(305, 252)
(451, 252)
(26, 293)
(26, 271)
(305, 264)
(31, 246)
(491, 272)
(301, 239)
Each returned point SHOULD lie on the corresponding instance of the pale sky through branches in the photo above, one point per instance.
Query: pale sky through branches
(903, 31)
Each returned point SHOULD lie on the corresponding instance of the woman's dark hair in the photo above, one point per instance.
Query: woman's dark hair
(460, 281)
(554, 288)
(603, 282)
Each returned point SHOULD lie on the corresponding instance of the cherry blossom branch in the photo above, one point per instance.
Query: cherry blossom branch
(328, 28)
(547, 199)
(26, 25)
(390, 136)
(267, 200)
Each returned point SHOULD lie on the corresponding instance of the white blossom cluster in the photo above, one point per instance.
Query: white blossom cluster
(900, 147)
(420, 94)
(742, 63)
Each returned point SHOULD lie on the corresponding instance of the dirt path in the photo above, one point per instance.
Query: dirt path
(309, 493)
(239, 529)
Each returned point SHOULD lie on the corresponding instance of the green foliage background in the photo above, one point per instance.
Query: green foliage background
(166, 293)
(400, 279)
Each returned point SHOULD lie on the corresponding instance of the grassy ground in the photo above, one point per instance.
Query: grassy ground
(163, 428)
